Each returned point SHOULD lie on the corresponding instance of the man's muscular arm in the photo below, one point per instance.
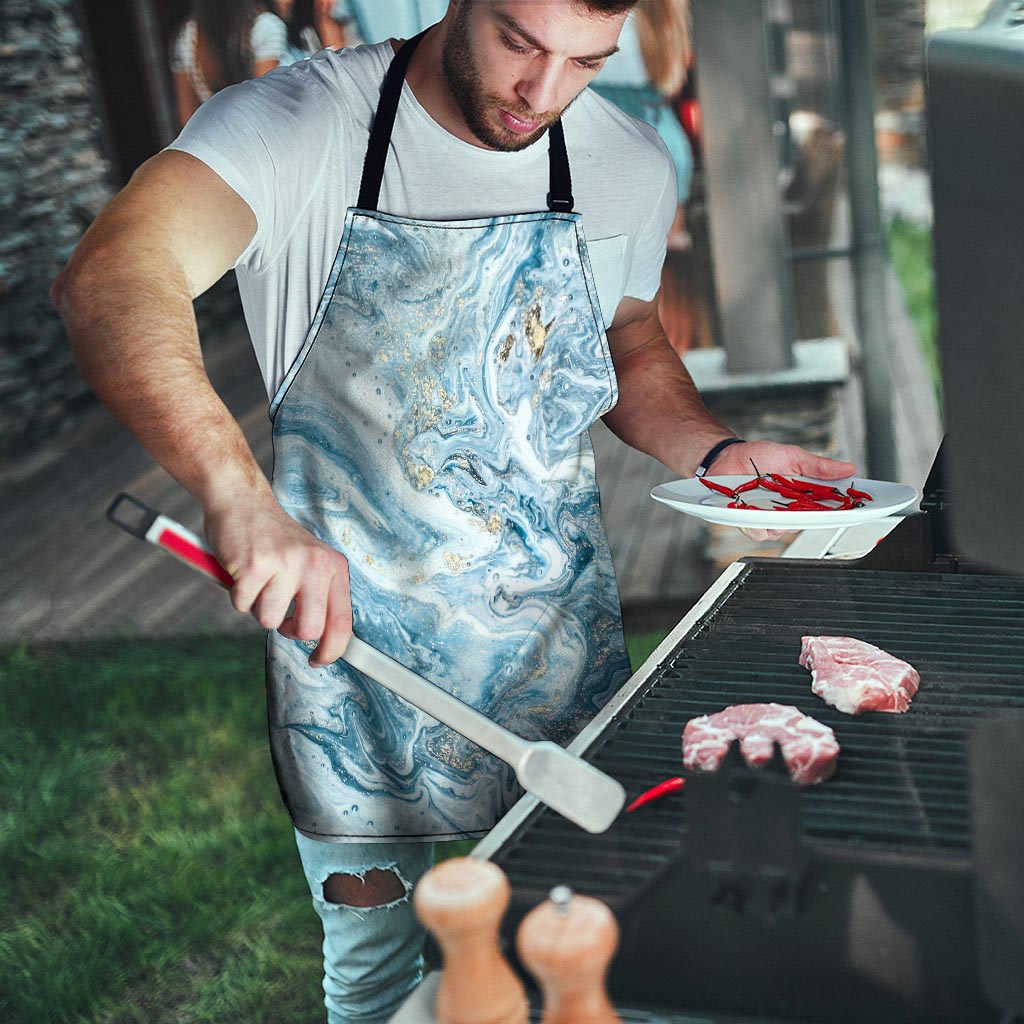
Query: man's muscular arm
(659, 410)
(126, 300)
(661, 413)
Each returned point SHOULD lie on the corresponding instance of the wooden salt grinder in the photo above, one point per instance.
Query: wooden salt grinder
(462, 901)
(567, 943)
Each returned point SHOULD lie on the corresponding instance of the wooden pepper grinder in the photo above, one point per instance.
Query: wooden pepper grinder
(567, 943)
(462, 901)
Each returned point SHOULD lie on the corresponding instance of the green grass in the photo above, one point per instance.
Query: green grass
(910, 246)
(147, 867)
(641, 646)
(150, 871)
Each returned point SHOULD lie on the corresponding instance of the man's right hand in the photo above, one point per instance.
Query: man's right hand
(274, 562)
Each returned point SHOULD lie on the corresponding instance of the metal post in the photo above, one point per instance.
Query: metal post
(154, 66)
(748, 236)
(868, 239)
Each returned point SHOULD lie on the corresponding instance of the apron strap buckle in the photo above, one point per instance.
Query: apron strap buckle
(560, 204)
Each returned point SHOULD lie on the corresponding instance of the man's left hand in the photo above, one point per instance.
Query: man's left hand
(771, 457)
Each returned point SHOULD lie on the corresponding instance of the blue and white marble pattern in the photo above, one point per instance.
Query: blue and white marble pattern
(434, 430)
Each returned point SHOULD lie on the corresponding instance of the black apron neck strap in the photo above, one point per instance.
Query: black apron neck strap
(559, 197)
(383, 123)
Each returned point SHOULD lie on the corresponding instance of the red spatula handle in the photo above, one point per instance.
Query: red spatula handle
(147, 524)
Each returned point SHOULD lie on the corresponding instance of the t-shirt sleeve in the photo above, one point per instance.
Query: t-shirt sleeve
(651, 240)
(268, 139)
(269, 38)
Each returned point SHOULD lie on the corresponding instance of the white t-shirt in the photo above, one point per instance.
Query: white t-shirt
(292, 144)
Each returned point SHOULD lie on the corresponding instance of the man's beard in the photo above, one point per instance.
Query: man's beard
(464, 83)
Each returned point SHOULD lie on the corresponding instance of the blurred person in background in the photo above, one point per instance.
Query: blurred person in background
(373, 21)
(314, 25)
(221, 43)
(647, 75)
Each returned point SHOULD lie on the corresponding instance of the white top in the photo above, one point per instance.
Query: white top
(268, 40)
(292, 143)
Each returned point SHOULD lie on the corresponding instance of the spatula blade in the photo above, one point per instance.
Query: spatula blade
(567, 784)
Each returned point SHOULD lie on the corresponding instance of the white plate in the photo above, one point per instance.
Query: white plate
(693, 498)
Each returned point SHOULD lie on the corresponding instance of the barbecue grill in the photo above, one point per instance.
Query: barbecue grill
(893, 892)
(746, 896)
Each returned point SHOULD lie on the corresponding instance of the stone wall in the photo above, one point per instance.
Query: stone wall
(54, 178)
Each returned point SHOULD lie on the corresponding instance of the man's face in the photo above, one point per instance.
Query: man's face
(513, 66)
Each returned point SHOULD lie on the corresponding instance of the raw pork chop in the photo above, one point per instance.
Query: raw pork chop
(809, 748)
(855, 677)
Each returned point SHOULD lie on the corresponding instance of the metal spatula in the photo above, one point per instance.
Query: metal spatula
(567, 784)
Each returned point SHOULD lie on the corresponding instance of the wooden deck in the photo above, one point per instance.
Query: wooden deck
(73, 575)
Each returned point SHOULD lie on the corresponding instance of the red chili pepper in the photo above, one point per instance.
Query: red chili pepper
(806, 506)
(749, 485)
(793, 485)
(803, 495)
(740, 503)
(720, 488)
(788, 492)
(808, 487)
(773, 485)
(656, 793)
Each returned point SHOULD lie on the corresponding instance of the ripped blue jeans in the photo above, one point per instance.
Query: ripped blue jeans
(372, 955)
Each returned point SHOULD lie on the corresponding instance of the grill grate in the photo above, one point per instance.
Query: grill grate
(902, 779)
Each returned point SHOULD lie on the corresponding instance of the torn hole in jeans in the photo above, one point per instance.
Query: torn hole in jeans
(372, 889)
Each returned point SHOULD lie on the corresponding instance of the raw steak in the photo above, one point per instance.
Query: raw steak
(809, 748)
(855, 677)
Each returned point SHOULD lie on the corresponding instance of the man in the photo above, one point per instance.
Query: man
(432, 379)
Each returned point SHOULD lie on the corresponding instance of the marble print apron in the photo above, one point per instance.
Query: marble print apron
(433, 429)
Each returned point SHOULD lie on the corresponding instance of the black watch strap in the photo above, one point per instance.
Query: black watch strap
(705, 463)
